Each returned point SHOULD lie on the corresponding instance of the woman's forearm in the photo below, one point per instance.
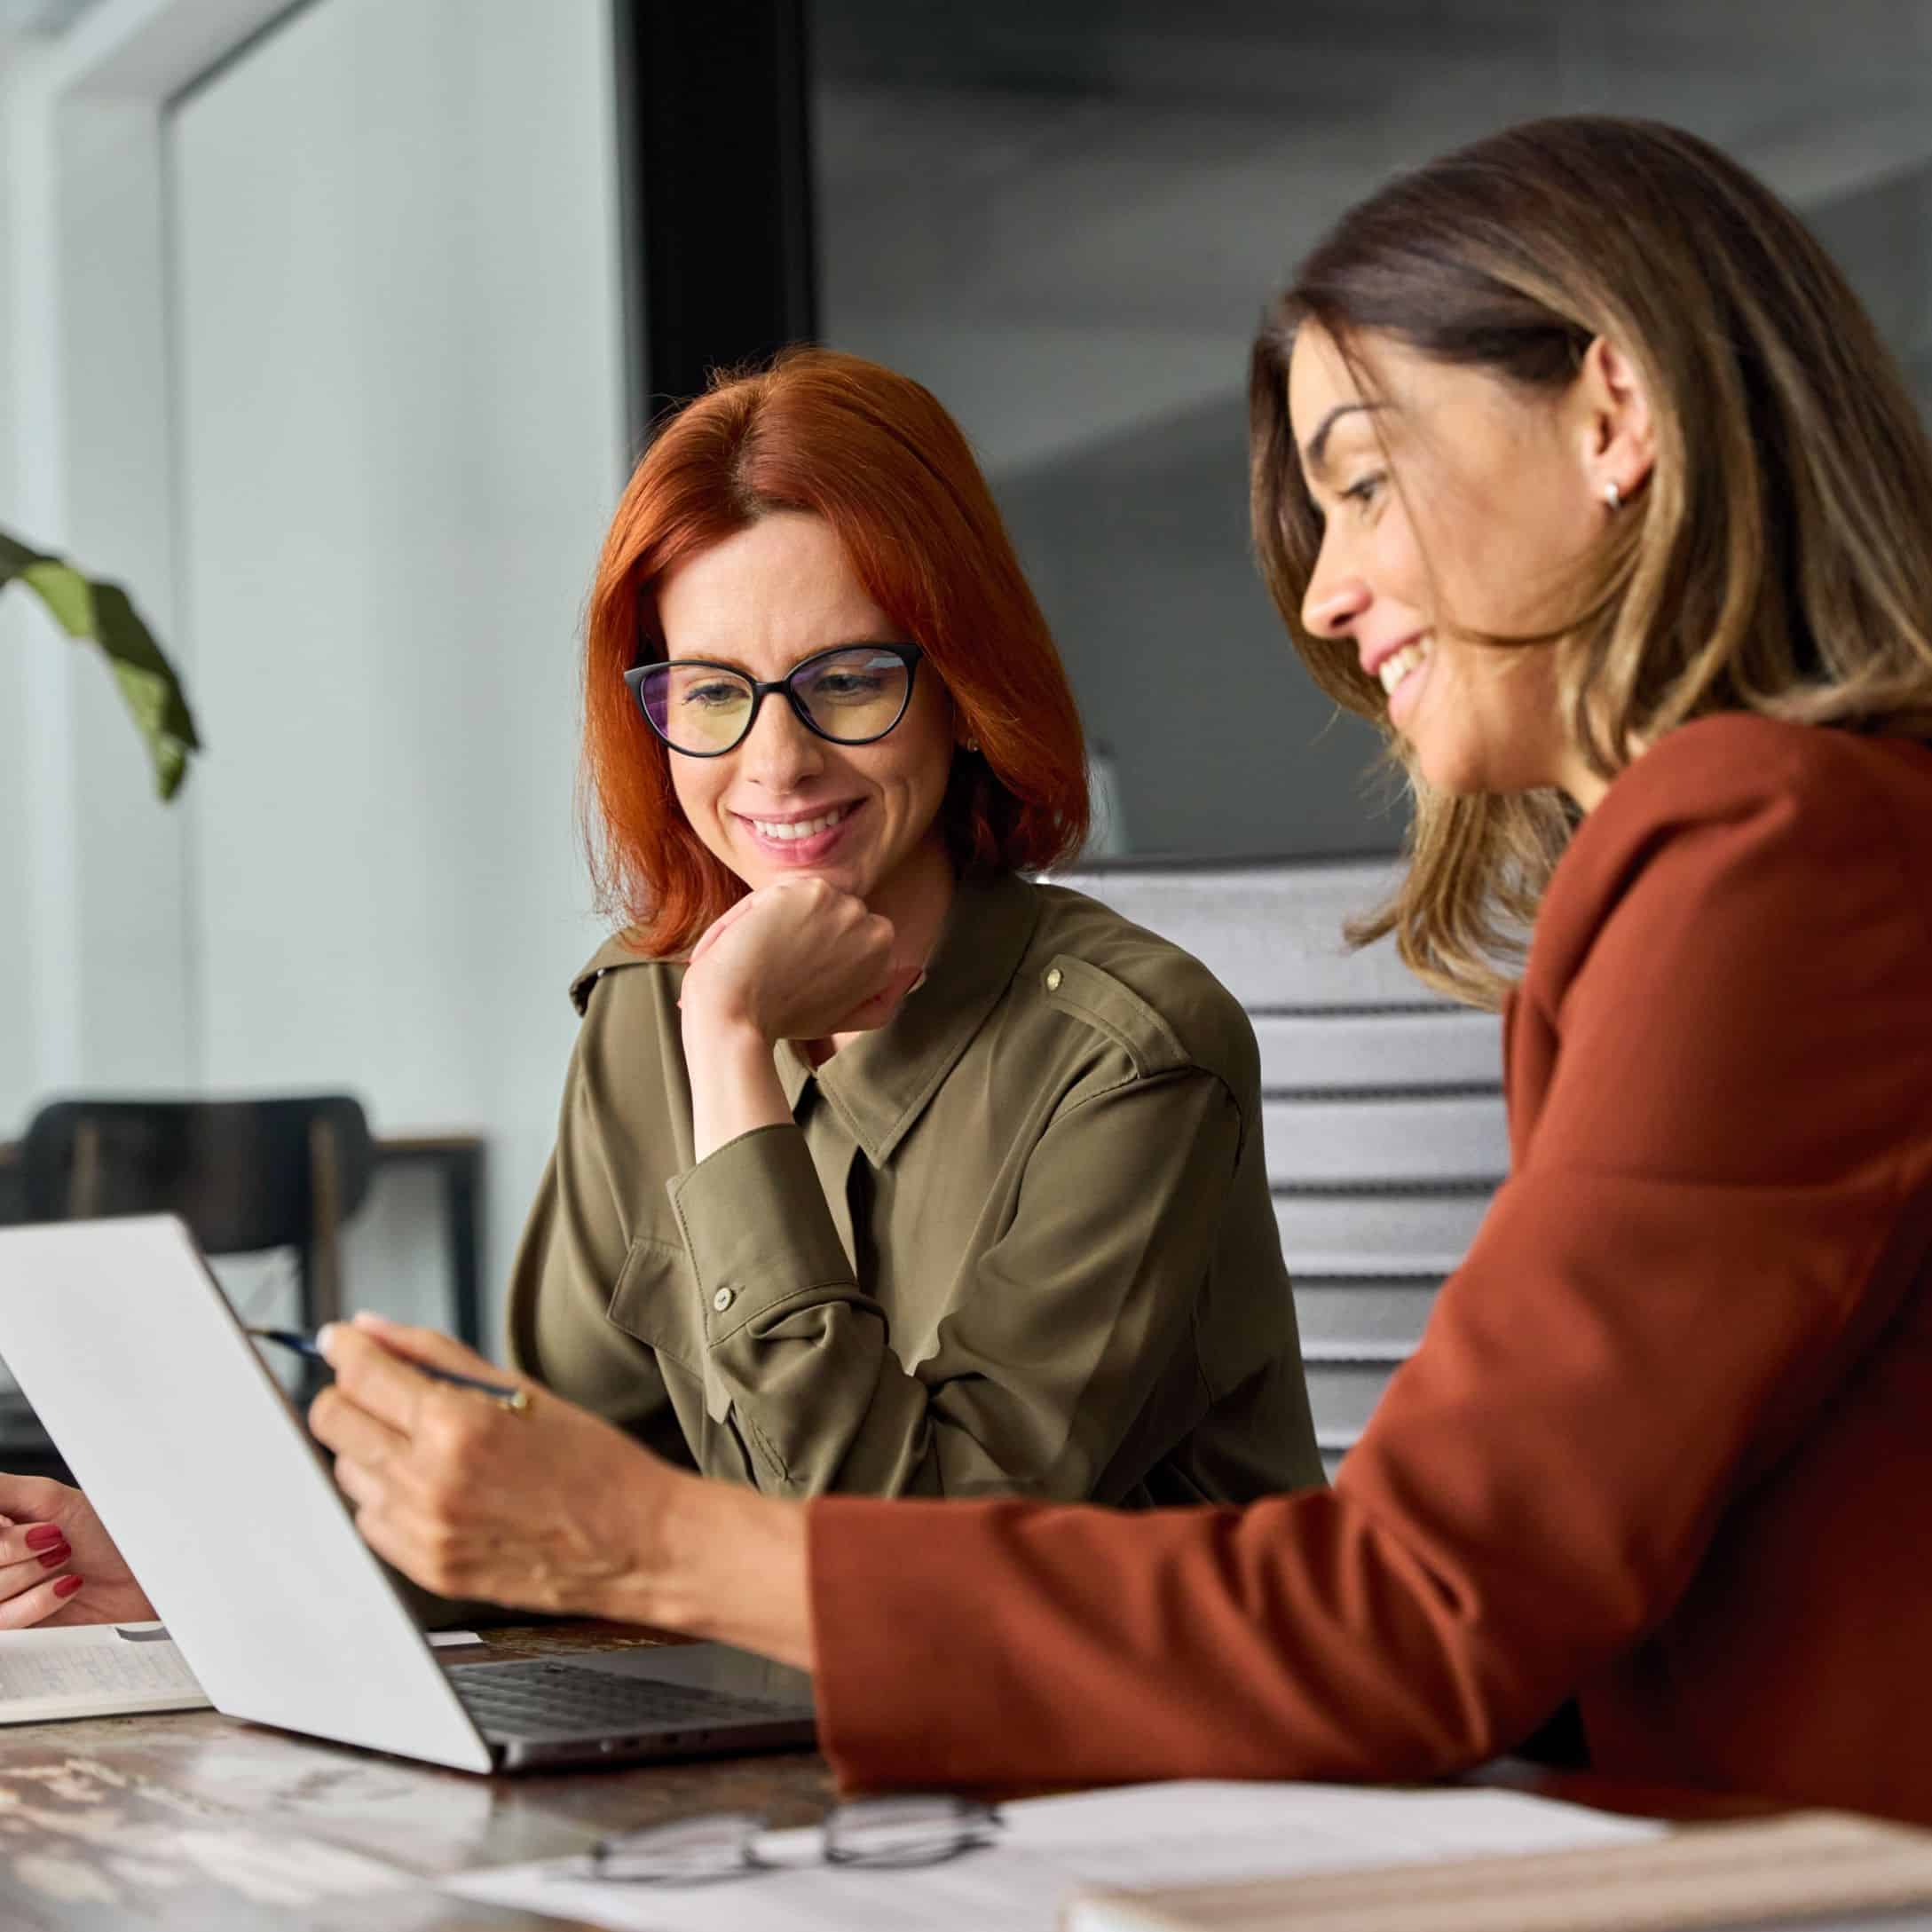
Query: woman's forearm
(735, 1085)
(719, 1562)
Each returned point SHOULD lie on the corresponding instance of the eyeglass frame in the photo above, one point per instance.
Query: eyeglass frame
(909, 655)
(976, 1824)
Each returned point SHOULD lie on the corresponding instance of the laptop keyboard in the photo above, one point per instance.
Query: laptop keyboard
(545, 1699)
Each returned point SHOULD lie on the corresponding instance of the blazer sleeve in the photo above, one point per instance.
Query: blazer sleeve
(1680, 1268)
(1052, 1350)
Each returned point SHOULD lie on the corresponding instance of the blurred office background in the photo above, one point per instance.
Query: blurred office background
(332, 330)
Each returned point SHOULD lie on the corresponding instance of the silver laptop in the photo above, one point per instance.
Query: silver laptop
(220, 1500)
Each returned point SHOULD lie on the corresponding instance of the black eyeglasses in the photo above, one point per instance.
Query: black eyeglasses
(875, 1834)
(854, 694)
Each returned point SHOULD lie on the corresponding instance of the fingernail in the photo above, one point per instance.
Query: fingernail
(54, 1559)
(324, 1336)
(46, 1535)
(66, 1586)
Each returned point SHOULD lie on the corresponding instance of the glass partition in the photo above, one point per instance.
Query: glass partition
(1064, 216)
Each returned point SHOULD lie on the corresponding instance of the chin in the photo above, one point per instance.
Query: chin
(1453, 770)
(845, 874)
(1466, 773)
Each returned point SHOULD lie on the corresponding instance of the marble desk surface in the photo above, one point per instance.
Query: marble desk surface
(190, 1819)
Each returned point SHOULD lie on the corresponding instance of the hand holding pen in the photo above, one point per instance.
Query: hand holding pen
(551, 1508)
(310, 1346)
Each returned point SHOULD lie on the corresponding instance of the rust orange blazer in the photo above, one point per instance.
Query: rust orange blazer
(1667, 1444)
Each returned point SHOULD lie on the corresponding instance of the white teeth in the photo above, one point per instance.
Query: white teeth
(1392, 670)
(800, 828)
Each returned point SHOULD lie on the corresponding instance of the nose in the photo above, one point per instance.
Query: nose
(1334, 601)
(780, 755)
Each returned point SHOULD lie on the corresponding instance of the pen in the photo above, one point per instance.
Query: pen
(305, 1344)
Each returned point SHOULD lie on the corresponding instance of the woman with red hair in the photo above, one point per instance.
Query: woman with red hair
(920, 1177)
(879, 1167)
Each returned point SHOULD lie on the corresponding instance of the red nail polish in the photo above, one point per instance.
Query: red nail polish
(54, 1559)
(46, 1535)
(66, 1586)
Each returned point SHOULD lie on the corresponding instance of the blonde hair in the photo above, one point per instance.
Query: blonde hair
(1780, 559)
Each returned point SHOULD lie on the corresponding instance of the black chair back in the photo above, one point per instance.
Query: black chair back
(245, 1175)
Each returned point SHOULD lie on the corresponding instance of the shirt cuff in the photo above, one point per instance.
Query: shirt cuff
(756, 1228)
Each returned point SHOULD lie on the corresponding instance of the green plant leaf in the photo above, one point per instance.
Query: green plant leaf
(66, 592)
(105, 614)
(148, 683)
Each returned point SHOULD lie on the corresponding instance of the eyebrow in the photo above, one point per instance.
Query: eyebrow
(854, 644)
(1314, 451)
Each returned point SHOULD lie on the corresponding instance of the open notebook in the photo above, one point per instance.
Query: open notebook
(108, 1671)
(93, 1670)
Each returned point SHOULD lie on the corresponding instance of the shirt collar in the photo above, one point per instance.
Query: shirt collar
(881, 1084)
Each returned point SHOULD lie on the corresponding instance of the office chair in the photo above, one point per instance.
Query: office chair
(245, 1175)
(1381, 1103)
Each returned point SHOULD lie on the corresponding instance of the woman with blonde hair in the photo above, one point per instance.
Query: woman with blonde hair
(1579, 469)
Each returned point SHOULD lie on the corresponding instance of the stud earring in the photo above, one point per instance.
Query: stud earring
(1614, 496)
(973, 745)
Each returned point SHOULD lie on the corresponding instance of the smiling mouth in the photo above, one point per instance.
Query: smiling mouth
(790, 830)
(1399, 664)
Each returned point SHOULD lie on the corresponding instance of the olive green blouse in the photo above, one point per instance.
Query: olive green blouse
(1018, 1239)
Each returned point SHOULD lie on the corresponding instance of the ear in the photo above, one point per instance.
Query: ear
(1619, 444)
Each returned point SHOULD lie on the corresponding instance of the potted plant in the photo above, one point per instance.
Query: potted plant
(102, 613)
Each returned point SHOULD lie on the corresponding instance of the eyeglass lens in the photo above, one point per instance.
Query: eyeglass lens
(915, 1830)
(851, 696)
(686, 1851)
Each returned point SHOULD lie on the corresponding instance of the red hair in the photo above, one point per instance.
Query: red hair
(875, 455)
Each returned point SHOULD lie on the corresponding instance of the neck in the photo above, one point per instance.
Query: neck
(1583, 787)
(916, 899)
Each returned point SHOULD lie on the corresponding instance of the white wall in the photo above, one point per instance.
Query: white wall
(125, 1003)
(387, 391)
(400, 405)
(16, 1038)
(16, 1027)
